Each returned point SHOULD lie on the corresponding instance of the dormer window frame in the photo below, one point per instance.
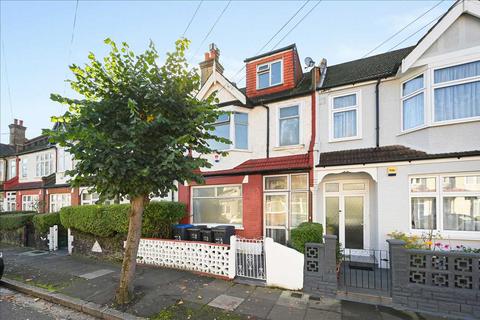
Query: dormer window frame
(268, 70)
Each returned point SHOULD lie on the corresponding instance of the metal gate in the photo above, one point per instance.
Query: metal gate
(250, 258)
(365, 270)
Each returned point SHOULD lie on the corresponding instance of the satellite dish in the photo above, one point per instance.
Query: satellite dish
(309, 62)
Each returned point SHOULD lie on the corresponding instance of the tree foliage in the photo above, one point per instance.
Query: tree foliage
(138, 122)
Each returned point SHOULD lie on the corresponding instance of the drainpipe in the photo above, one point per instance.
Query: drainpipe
(268, 129)
(377, 112)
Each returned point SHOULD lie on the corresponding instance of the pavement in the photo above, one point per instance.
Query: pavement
(17, 306)
(163, 293)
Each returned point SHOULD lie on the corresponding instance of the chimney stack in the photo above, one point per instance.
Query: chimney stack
(210, 63)
(17, 134)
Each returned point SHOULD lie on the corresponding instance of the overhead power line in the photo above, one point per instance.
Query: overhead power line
(405, 27)
(72, 37)
(212, 27)
(191, 19)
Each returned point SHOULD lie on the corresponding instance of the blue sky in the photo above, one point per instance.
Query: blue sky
(36, 35)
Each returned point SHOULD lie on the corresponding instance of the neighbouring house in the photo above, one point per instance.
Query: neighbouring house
(263, 186)
(398, 136)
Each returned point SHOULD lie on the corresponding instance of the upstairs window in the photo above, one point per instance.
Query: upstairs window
(289, 124)
(413, 100)
(12, 172)
(269, 74)
(457, 92)
(24, 168)
(233, 127)
(64, 160)
(344, 115)
(44, 165)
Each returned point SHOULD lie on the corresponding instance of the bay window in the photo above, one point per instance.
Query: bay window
(233, 127)
(217, 205)
(289, 126)
(24, 167)
(12, 168)
(269, 74)
(446, 202)
(413, 100)
(344, 117)
(59, 200)
(30, 202)
(44, 164)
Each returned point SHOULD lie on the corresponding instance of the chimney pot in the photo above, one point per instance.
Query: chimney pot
(20, 122)
(210, 62)
(15, 121)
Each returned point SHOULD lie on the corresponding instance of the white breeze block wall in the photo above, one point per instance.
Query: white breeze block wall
(210, 258)
(284, 266)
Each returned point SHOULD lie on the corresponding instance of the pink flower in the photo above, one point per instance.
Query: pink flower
(438, 244)
(447, 246)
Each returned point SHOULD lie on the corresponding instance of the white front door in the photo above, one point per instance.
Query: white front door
(346, 212)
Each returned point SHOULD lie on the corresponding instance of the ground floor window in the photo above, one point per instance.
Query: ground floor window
(445, 202)
(30, 202)
(59, 200)
(285, 204)
(11, 201)
(217, 205)
(94, 198)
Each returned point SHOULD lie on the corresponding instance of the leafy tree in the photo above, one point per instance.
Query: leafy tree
(138, 128)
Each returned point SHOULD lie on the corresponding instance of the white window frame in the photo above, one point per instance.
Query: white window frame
(439, 194)
(12, 174)
(29, 201)
(269, 73)
(332, 111)
(434, 86)
(11, 201)
(211, 225)
(423, 90)
(2, 170)
(43, 161)
(299, 105)
(59, 204)
(24, 166)
(231, 130)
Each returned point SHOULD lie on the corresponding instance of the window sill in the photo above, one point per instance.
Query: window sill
(213, 225)
(239, 150)
(345, 139)
(404, 132)
(269, 87)
(439, 124)
(292, 147)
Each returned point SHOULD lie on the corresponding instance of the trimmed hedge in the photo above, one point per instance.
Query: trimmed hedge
(43, 221)
(306, 232)
(15, 221)
(109, 220)
(16, 212)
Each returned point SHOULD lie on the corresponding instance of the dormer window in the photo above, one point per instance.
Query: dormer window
(269, 74)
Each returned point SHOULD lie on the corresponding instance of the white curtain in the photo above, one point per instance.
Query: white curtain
(412, 85)
(457, 102)
(462, 71)
(345, 124)
(345, 101)
(413, 112)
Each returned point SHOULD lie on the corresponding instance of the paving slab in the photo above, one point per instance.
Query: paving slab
(327, 304)
(256, 307)
(203, 295)
(280, 312)
(95, 274)
(286, 299)
(355, 310)
(226, 302)
(315, 314)
(266, 293)
(240, 290)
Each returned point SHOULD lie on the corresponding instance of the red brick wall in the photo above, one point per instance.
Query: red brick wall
(38, 192)
(252, 201)
(291, 65)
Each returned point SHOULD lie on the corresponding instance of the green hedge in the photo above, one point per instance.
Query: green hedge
(109, 220)
(306, 232)
(15, 221)
(15, 212)
(43, 221)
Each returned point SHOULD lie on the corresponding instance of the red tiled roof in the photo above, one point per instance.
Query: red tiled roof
(285, 163)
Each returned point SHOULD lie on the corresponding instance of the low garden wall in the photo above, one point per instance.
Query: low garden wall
(89, 245)
(208, 258)
(16, 228)
(446, 282)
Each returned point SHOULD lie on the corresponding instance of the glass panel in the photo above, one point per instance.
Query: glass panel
(413, 112)
(354, 222)
(461, 213)
(332, 216)
(278, 235)
(299, 205)
(241, 130)
(289, 112)
(204, 192)
(423, 184)
(276, 70)
(210, 210)
(461, 184)
(276, 183)
(457, 102)
(412, 85)
(263, 67)
(289, 132)
(462, 71)
(263, 80)
(276, 209)
(223, 131)
(345, 101)
(354, 186)
(229, 191)
(331, 187)
(223, 118)
(345, 124)
(424, 213)
(299, 182)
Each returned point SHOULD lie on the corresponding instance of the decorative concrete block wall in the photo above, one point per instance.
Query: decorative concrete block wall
(210, 258)
(320, 277)
(435, 281)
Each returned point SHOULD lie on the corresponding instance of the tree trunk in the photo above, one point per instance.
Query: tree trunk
(125, 289)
